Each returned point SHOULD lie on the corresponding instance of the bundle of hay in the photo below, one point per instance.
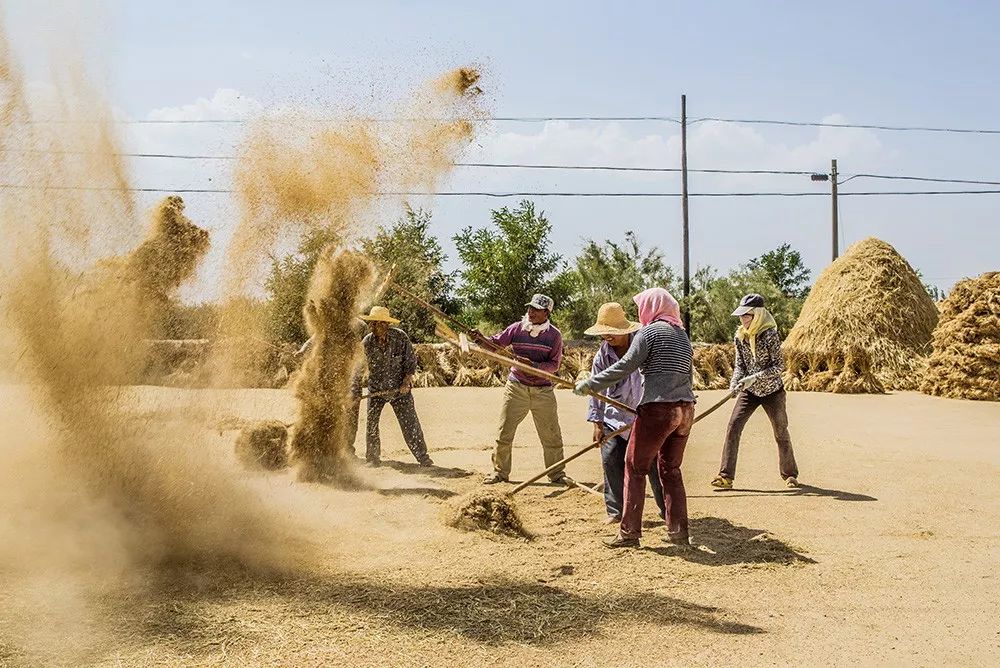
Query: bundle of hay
(965, 362)
(486, 511)
(577, 360)
(712, 366)
(263, 445)
(865, 327)
(431, 372)
(472, 370)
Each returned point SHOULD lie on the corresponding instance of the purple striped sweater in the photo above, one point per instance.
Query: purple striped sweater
(544, 350)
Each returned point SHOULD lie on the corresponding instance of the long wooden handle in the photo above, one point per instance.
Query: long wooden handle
(562, 462)
(457, 324)
(715, 406)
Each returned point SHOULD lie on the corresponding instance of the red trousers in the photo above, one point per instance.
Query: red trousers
(660, 434)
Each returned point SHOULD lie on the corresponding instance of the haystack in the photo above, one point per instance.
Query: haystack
(486, 511)
(263, 445)
(434, 367)
(712, 366)
(965, 362)
(865, 327)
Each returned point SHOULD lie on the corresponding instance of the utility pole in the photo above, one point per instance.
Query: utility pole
(686, 311)
(834, 213)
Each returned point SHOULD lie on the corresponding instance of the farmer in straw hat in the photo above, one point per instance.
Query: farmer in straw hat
(391, 364)
(616, 332)
(661, 350)
(757, 378)
(535, 340)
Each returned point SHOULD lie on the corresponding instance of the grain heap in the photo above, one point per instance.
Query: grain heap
(965, 362)
(865, 327)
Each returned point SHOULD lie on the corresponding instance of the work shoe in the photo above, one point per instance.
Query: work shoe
(494, 478)
(722, 482)
(792, 482)
(619, 541)
(561, 480)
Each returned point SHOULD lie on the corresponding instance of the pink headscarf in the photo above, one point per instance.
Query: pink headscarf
(658, 304)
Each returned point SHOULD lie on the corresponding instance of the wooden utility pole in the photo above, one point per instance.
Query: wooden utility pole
(834, 213)
(686, 311)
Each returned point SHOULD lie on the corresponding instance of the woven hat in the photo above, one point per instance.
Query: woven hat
(379, 314)
(611, 320)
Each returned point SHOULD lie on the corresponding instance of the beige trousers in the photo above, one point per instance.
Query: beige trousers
(518, 401)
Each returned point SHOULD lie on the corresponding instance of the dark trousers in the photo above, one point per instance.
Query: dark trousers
(660, 434)
(613, 460)
(774, 406)
(409, 424)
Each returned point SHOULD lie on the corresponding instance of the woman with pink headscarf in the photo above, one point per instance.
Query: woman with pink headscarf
(661, 351)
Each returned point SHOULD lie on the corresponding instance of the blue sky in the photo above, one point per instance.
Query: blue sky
(918, 63)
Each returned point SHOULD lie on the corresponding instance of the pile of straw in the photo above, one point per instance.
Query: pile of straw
(263, 445)
(865, 327)
(712, 366)
(487, 511)
(965, 362)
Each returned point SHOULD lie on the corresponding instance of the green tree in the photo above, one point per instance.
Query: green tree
(786, 269)
(287, 285)
(418, 260)
(714, 297)
(612, 272)
(504, 265)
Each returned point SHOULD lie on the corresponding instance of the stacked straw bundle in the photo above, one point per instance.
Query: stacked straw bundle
(865, 327)
(965, 362)
(712, 366)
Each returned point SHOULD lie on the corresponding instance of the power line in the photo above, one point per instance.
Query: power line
(243, 121)
(526, 193)
(858, 126)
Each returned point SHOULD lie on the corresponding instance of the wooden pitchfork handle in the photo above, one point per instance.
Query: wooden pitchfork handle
(608, 437)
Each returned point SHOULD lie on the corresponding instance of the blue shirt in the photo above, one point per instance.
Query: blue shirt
(628, 391)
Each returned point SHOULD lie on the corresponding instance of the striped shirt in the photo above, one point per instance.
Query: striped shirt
(662, 353)
(545, 351)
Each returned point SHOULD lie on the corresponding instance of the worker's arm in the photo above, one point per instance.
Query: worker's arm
(623, 368)
(594, 412)
(553, 359)
(739, 367)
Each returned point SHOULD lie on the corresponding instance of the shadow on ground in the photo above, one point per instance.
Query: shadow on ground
(802, 490)
(495, 612)
(432, 471)
(435, 492)
(719, 542)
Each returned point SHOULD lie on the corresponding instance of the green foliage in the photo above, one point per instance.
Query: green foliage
(785, 268)
(504, 265)
(933, 291)
(612, 272)
(287, 285)
(418, 261)
(713, 299)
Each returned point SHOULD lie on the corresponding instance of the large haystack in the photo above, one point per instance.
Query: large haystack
(712, 366)
(865, 327)
(965, 362)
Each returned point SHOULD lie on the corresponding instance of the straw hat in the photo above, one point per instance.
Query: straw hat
(379, 314)
(611, 320)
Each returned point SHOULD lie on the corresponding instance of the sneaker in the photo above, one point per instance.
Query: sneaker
(792, 482)
(494, 478)
(619, 541)
(722, 482)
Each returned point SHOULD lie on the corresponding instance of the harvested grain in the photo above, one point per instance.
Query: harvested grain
(263, 445)
(486, 511)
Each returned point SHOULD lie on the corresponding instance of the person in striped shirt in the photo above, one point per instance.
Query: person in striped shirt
(661, 351)
(536, 341)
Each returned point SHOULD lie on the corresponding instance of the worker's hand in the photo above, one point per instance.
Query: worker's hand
(582, 388)
(524, 360)
(405, 387)
(598, 431)
(746, 381)
(477, 336)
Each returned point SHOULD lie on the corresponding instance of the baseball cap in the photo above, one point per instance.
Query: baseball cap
(541, 301)
(748, 303)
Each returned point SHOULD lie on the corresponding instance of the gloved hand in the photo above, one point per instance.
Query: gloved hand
(582, 388)
(747, 381)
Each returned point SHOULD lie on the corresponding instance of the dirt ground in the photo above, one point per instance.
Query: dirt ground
(888, 556)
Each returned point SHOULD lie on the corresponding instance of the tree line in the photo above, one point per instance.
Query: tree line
(504, 263)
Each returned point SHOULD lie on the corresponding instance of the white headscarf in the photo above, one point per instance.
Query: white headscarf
(533, 329)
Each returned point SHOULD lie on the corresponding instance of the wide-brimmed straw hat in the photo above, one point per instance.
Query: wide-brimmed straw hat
(379, 314)
(611, 319)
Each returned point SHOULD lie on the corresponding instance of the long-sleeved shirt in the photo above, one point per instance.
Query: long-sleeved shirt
(544, 351)
(628, 391)
(662, 352)
(768, 360)
(389, 363)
